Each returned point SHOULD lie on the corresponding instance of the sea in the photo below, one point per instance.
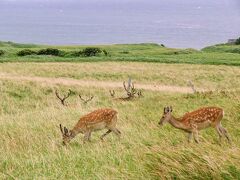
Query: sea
(174, 23)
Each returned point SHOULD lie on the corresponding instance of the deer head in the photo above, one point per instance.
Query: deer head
(167, 115)
(66, 134)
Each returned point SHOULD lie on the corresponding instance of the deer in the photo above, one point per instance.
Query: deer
(193, 122)
(96, 120)
(130, 90)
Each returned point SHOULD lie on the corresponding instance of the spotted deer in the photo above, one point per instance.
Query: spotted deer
(96, 120)
(197, 120)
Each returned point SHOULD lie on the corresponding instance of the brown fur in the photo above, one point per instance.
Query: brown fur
(196, 120)
(211, 114)
(96, 120)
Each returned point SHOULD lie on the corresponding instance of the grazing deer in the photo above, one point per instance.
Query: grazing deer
(194, 121)
(96, 120)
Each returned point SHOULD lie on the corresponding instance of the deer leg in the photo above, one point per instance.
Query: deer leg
(195, 135)
(86, 136)
(117, 132)
(219, 133)
(106, 133)
(190, 136)
(89, 136)
(225, 133)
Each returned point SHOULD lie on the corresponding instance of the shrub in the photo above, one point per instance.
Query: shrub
(26, 52)
(2, 52)
(50, 51)
(76, 53)
(91, 51)
(124, 52)
(237, 41)
(105, 52)
(234, 50)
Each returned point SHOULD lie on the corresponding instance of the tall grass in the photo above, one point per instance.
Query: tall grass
(31, 140)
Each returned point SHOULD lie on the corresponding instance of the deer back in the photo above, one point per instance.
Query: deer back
(211, 114)
(100, 116)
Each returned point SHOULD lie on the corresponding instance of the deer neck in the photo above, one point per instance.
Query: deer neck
(78, 129)
(176, 122)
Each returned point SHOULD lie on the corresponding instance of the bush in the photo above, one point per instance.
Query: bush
(76, 53)
(2, 52)
(50, 51)
(234, 50)
(105, 52)
(26, 52)
(237, 41)
(91, 51)
(124, 52)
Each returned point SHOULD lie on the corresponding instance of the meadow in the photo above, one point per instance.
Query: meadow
(145, 52)
(30, 114)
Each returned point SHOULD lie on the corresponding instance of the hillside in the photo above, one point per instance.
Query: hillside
(145, 52)
(223, 48)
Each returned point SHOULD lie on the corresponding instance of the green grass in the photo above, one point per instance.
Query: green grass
(224, 48)
(203, 76)
(31, 141)
(30, 115)
(145, 52)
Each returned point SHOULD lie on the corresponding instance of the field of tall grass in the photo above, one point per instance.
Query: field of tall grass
(30, 114)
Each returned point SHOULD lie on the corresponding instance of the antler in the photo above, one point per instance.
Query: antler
(64, 97)
(85, 101)
(112, 93)
(131, 91)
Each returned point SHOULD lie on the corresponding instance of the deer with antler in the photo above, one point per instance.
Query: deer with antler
(130, 90)
(85, 101)
(197, 120)
(96, 120)
(62, 99)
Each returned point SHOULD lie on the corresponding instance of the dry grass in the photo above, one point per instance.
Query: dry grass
(31, 140)
(203, 76)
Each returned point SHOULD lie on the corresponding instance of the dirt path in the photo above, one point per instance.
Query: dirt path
(93, 83)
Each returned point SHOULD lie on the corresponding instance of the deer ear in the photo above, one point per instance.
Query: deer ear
(165, 110)
(65, 130)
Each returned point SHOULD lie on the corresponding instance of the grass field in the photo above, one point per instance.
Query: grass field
(30, 114)
(145, 52)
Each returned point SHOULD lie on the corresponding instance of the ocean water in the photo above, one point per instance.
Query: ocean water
(175, 23)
